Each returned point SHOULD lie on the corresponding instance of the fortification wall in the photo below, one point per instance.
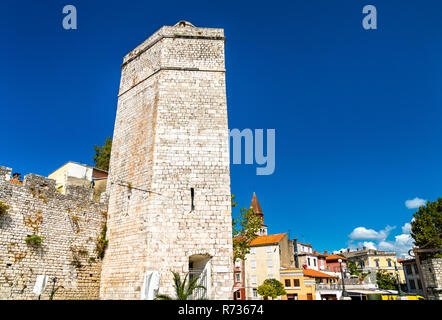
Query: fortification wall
(69, 225)
(432, 273)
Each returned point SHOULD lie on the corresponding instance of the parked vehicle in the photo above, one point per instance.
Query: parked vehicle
(394, 297)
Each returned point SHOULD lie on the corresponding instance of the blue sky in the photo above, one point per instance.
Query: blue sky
(356, 112)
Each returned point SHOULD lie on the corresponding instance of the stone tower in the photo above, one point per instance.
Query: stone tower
(169, 179)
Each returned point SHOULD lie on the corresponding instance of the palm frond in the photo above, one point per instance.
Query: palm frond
(184, 288)
(182, 295)
(192, 286)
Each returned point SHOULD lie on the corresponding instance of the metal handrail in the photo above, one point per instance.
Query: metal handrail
(199, 293)
(328, 286)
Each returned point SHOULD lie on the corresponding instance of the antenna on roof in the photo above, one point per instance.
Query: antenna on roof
(288, 234)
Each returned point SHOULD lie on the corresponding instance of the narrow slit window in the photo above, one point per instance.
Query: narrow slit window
(192, 199)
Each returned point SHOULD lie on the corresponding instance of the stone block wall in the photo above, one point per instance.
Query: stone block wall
(170, 136)
(68, 225)
(432, 273)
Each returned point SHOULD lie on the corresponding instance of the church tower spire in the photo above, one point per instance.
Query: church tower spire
(258, 211)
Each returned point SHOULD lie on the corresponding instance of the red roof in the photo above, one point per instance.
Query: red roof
(405, 260)
(316, 274)
(319, 254)
(269, 239)
(334, 257)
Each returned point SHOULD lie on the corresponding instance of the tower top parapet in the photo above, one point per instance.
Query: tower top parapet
(182, 29)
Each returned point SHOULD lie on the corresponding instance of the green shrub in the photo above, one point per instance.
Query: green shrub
(101, 243)
(83, 252)
(34, 240)
(76, 262)
(92, 260)
(3, 207)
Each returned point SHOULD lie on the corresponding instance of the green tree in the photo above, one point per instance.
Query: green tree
(354, 271)
(244, 229)
(271, 288)
(426, 227)
(183, 289)
(102, 155)
(385, 280)
(352, 268)
(266, 291)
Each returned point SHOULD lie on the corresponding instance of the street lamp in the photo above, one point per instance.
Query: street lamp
(344, 293)
(398, 282)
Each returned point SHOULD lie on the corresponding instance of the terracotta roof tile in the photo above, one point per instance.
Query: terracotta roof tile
(269, 239)
(334, 257)
(316, 274)
(319, 254)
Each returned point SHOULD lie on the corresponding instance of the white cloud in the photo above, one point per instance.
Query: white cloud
(403, 239)
(401, 244)
(362, 233)
(386, 246)
(415, 203)
(383, 234)
(340, 250)
(369, 245)
(406, 228)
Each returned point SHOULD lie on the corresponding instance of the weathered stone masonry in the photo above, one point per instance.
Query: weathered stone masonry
(432, 273)
(170, 140)
(69, 225)
(168, 186)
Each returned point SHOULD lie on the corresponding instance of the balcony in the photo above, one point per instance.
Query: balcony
(328, 286)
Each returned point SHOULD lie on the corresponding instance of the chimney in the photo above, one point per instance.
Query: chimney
(348, 249)
(357, 249)
(325, 252)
